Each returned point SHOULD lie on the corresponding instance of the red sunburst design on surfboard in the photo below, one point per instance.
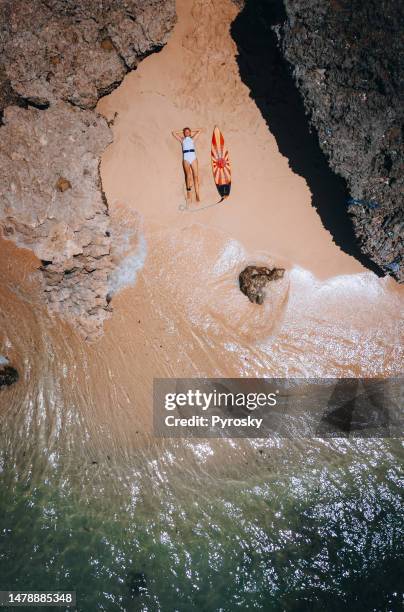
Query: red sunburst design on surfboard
(220, 160)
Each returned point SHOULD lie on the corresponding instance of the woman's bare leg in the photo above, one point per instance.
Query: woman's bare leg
(188, 178)
(195, 173)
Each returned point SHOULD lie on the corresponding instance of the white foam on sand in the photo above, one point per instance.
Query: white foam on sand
(126, 272)
(232, 253)
(361, 292)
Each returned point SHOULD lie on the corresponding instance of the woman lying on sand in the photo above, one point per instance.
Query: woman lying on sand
(190, 163)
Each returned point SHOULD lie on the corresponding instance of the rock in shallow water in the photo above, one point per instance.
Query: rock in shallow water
(8, 375)
(254, 279)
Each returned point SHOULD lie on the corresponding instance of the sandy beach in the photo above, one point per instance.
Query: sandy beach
(270, 207)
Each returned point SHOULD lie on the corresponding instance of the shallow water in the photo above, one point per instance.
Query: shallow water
(90, 500)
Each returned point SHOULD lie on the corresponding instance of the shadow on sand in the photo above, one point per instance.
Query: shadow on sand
(268, 76)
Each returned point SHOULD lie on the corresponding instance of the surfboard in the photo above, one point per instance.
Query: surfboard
(220, 164)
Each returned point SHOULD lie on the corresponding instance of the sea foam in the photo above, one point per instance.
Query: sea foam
(127, 270)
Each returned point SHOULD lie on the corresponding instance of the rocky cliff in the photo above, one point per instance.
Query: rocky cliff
(345, 58)
(57, 58)
(348, 61)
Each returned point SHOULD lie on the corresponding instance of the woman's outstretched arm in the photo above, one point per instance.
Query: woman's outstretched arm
(178, 136)
(196, 133)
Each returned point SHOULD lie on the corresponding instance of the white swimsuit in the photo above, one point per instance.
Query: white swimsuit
(188, 149)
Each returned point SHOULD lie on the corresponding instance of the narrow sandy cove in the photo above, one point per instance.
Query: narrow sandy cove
(195, 81)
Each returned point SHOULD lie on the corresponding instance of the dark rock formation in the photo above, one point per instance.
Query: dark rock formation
(8, 375)
(57, 59)
(239, 3)
(254, 279)
(345, 60)
(348, 58)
